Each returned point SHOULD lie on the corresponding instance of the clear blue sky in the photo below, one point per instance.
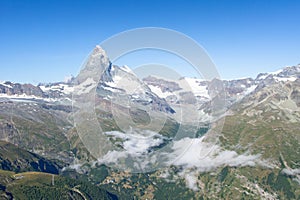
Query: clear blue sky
(46, 40)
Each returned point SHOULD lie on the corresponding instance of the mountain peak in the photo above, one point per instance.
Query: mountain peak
(99, 51)
(96, 64)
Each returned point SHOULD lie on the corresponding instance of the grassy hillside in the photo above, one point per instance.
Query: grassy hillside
(38, 185)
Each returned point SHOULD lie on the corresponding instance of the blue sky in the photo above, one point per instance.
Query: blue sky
(46, 40)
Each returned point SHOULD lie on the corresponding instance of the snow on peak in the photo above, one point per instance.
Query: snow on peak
(98, 51)
(4, 83)
(158, 91)
(126, 69)
(86, 86)
(277, 72)
(61, 87)
(283, 79)
(98, 48)
(193, 84)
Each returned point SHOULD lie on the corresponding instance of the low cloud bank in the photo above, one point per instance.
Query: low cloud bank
(192, 155)
(195, 153)
(196, 156)
(294, 173)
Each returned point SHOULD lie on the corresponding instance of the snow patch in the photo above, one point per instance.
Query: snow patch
(193, 85)
(64, 88)
(26, 98)
(263, 76)
(250, 89)
(5, 85)
(126, 69)
(281, 79)
(86, 86)
(276, 72)
(115, 81)
(159, 92)
(108, 88)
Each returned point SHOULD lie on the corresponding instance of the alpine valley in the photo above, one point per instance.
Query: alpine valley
(239, 139)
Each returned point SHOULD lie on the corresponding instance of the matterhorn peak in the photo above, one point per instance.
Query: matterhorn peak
(99, 48)
(98, 56)
(98, 51)
(96, 64)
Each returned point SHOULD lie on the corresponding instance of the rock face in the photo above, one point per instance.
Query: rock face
(114, 81)
(165, 86)
(111, 81)
(20, 89)
(295, 96)
(37, 126)
(42, 91)
(175, 91)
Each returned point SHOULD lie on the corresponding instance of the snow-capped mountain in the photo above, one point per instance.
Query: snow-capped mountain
(121, 86)
(120, 81)
(117, 84)
(187, 90)
(257, 149)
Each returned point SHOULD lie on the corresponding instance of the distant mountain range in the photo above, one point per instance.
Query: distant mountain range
(163, 94)
(249, 150)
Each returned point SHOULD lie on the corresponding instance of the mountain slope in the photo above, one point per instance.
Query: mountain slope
(35, 125)
(37, 185)
(15, 159)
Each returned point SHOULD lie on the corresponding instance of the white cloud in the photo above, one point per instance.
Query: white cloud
(136, 152)
(191, 181)
(196, 156)
(295, 173)
(291, 172)
(192, 155)
(136, 142)
(195, 153)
